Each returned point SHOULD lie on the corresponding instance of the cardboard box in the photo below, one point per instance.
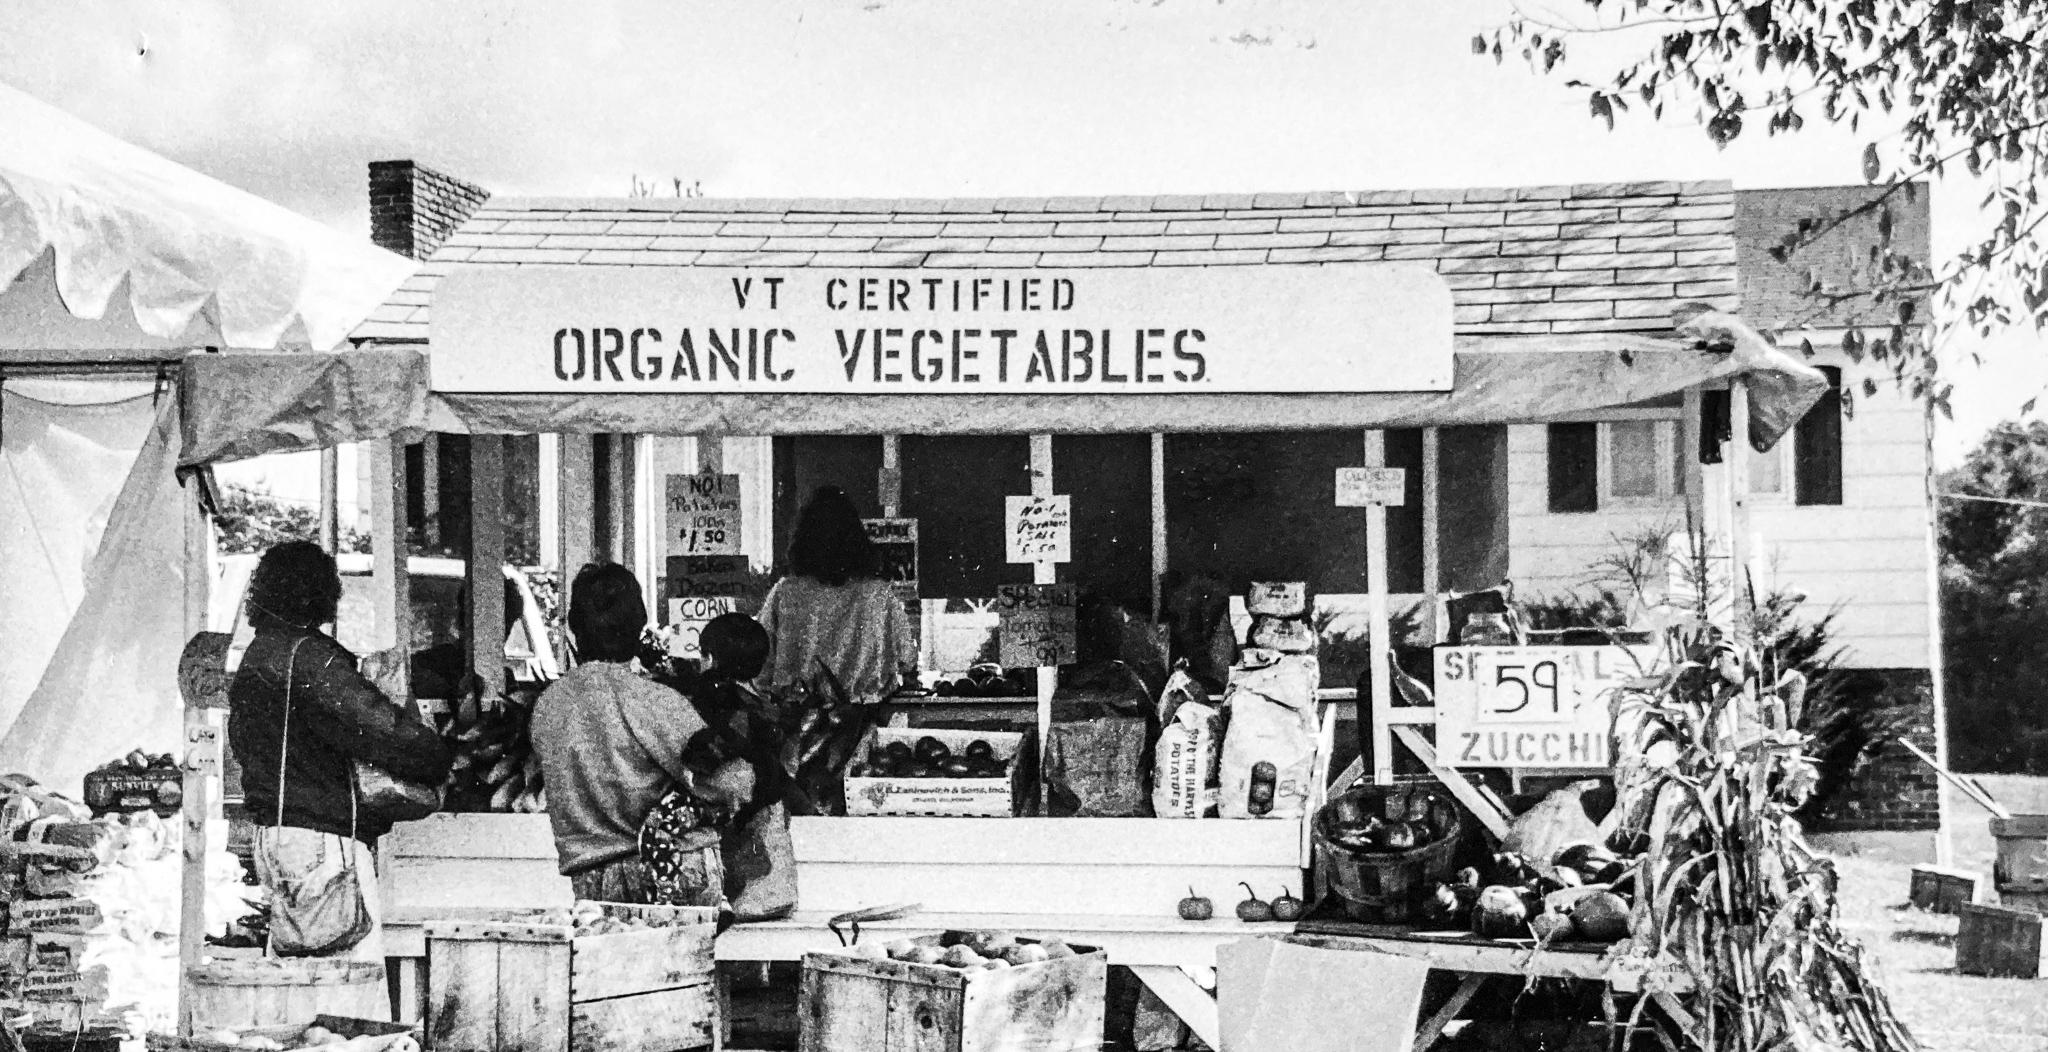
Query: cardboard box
(1001, 797)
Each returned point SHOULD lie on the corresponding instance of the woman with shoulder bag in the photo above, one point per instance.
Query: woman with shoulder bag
(327, 759)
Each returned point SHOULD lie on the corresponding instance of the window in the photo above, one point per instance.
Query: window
(1817, 447)
(1768, 471)
(1617, 463)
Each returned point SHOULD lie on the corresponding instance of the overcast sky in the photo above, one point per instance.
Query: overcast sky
(925, 98)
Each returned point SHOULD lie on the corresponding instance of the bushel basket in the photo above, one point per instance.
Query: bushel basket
(1361, 860)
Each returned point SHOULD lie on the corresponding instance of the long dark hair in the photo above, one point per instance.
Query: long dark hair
(606, 613)
(295, 585)
(830, 545)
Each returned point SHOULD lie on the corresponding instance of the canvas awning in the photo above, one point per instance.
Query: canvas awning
(109, 252)
(246, 405)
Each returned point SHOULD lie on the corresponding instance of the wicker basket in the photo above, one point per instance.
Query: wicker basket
(1386, 887)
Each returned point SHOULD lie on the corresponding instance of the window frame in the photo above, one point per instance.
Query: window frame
(1667, 430)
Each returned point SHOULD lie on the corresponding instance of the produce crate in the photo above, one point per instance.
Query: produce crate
(291, 1036)
(531, 982)
(1943, 890)
(853, 1004)
(946, 797)
(1994, 940)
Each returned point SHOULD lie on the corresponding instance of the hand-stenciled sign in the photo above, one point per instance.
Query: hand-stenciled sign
(1548, 707)
(1339, 327)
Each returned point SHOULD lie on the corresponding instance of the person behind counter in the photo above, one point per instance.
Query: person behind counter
(611, 742)
(300, 716)
(834, 609)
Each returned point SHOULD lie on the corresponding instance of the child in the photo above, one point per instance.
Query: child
(682, 839)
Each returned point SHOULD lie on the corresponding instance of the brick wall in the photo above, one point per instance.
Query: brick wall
(413, 209)
(1895, 792)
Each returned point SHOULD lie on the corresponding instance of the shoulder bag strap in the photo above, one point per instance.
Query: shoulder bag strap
(284, 752)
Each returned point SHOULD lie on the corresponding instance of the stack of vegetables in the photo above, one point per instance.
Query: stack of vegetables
(495, 767)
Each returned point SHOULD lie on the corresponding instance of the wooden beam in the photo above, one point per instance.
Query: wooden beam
(1043, 572)
(391, 605)
(1191, 1003)
(430, 490)
(487, 626)
(1159, 537)
(1433, 1027)
(198, 805)
(1739, 540)
(576, 504)
(1937, 662)
(549, 489)
(330, 499)
(1477, 798)
(889, 484)
(1432, 540)
(1380, 671)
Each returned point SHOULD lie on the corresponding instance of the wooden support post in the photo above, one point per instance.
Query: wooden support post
(390, 591)
(1432, 539)
(1380, 674)
(549, 471)
(1433, 1027)
(1937, 663)
(487, 626)
(576, 505)
(1043, 572)
(1159, 539)
(330, 499)
(430, 491)
(200, 729)
(649, 492)
(1692, 481)
(889, 484)
(620, 465)
(1739, 540)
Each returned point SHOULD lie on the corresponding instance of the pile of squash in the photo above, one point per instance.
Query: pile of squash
(1580, 895)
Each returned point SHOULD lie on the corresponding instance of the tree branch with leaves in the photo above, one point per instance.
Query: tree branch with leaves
(1938, 83)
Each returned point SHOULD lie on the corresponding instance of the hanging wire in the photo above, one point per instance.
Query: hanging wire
(2014, 501)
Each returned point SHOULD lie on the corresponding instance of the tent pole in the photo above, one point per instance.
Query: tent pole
(1380, 674)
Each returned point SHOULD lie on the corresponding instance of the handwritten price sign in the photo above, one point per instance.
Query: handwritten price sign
(1541, 707)
(1036, 624)
(703, 514)
(1039, 529)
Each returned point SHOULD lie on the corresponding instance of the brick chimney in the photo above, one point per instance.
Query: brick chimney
(413, 209)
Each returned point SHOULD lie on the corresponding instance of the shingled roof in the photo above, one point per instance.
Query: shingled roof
(1775, 294)
(1531, 260)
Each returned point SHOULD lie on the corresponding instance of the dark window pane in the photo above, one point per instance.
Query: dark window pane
(1574, 453)
(1262, 506)
(1109, 478)
(1817, 447)
(1472, 520)
(805, 462)
(1404, 523)
(955, 487)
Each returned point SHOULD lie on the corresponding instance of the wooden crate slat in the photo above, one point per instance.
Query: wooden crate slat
(462, 997)
(658, 1022)
(1064, 1007)
(638, 962)
(921, 1018)
(829, 1021)
(533, 1015)
(886, 970)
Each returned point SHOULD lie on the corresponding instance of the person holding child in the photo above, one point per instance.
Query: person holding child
(613, 742)
(734, 855)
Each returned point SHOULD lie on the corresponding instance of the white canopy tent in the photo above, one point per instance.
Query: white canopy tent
(114, 264)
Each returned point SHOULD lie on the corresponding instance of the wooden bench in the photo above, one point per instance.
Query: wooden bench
(1109, 882)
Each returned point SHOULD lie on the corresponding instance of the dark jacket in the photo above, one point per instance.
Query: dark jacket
(337, 716)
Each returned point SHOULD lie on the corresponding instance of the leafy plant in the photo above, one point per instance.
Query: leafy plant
(1941, 82)
(1727, 891)
(249, 521)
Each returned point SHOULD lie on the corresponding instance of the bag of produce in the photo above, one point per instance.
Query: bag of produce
(1185, 760)
(1278, 599)
(1094, 768)
(1269, 750)
(1286, 635)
